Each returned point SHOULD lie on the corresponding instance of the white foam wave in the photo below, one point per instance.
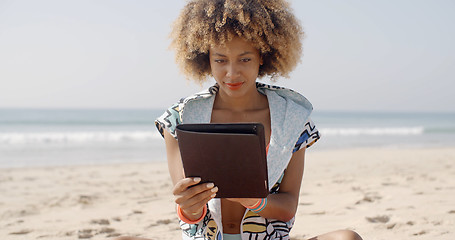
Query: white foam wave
(143, 136)
(391, 131)
(76, 137)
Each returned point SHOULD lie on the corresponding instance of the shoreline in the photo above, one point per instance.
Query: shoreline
(405, 193)
(160, 157)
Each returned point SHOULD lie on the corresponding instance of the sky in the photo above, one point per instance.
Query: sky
(358, 55)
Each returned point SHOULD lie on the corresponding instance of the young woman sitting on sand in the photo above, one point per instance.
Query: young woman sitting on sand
(236, 42)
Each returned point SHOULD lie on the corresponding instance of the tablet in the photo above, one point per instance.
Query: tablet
(232, 156)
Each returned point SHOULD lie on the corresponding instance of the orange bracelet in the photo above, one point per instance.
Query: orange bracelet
(258, 207)
(255, 205)
(183, 218)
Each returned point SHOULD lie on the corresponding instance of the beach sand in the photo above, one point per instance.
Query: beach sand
(380, 193)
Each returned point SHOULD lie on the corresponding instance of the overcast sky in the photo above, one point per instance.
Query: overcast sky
(358, 55)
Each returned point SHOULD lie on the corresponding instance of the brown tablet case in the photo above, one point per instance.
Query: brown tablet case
(232, 156)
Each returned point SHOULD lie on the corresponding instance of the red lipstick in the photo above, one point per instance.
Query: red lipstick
(234, 86)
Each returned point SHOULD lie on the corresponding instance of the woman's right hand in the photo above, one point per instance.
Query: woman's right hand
(192, 196)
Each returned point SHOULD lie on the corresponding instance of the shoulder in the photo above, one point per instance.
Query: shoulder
(301, 112)
(285, 93)
(296, 110)
(308, 137)
(169, 120)
(173, 116)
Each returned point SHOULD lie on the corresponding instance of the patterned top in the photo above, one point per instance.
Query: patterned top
(253, 226)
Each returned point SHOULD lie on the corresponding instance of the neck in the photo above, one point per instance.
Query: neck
(251, 101)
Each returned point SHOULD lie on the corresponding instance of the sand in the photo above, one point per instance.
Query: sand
(380, 193)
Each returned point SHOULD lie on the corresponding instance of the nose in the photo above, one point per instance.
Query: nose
(232, 71)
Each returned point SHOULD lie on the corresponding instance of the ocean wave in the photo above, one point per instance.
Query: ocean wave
(144, 136)
(76, 137)
(390, 131)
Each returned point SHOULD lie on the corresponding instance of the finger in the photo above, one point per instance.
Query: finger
(185, 183)
(199, 205)
(195, 193)
(198, 198)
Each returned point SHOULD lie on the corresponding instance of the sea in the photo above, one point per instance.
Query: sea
(63, 137)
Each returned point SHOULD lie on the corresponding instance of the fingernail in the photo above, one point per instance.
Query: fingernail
(213, 195)
(210, 185)
(215, 189)
(196, 179)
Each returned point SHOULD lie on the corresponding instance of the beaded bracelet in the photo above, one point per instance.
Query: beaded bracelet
(259, 206)
(185, 219)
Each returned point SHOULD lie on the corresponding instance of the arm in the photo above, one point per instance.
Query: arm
(283, 205)
(188, 193)
(174, 161)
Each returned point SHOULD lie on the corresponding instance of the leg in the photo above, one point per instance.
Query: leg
(339, 235)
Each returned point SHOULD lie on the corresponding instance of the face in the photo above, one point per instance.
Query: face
(235, 67)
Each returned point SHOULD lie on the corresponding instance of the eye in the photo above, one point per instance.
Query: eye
(219, 60)
(245, 59)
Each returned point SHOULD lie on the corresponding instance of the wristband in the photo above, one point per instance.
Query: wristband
(259, 206)
(185, 219)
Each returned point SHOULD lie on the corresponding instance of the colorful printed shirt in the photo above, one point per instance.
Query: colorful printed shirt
(292, 129)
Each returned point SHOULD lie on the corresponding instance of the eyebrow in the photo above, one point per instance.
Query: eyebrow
(242, 54)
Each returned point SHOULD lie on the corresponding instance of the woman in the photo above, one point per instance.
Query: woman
(236, 42)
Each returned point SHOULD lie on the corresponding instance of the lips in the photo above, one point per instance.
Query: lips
(234, 86)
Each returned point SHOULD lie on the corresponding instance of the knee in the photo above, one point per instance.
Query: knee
(339, 235)
(346, 235)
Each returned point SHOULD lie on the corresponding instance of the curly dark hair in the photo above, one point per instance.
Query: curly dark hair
(269, 25)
